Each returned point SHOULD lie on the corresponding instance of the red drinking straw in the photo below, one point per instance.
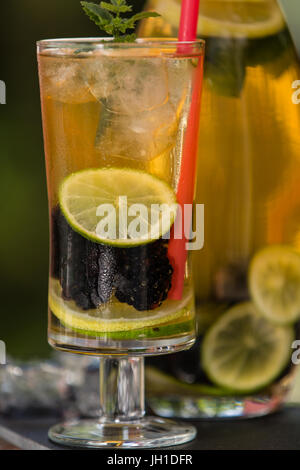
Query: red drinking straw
(188, 20)
(185, 191)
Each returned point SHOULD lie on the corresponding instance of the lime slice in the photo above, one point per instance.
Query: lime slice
(243, 351)
(207, 314)
(116, 317)
(88, 195)
(251, 19)
(160, 383)
(274, 283)
(181, 326)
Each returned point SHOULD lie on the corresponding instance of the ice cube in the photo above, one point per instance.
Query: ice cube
(66, 80)
(142, 104)
(140, 136)
(131, 86)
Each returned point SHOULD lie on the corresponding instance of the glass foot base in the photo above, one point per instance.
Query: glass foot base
(146, 433)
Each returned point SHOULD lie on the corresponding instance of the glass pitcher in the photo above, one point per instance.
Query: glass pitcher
(247, 276)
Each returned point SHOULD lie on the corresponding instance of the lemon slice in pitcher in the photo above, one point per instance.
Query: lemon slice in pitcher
(243, 351)
(251, 19)
(274, 283)
(110, 193)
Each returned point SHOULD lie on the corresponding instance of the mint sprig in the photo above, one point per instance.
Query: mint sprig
(110, 17)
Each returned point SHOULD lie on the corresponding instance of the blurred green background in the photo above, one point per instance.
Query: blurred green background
(24, 217)
(23, 196)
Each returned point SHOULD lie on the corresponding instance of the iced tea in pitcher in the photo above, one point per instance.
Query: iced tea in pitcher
(247, 276)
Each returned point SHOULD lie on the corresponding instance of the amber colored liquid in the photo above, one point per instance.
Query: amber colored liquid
(138, 128)
(249, 156)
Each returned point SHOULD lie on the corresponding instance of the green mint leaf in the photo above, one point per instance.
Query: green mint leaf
(109, 17)
(139, 16)
(144, 14)
(123, 26)
(118, 3)
(127, 38)
(115, 8)
(100, 16)
(129, 24)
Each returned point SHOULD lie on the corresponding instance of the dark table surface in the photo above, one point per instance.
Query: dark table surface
(280, 431)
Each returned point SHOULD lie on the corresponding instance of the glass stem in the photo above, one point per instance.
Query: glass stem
(122, 390)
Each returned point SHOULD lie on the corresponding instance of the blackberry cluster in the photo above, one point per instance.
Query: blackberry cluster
(144, 275)
(86, 270)
(89, 272)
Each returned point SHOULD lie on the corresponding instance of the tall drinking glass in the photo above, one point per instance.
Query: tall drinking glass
(120, 128)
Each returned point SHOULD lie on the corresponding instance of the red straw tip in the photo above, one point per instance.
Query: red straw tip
(188, 20)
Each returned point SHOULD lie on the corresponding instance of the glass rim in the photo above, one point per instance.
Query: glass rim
(183, 48)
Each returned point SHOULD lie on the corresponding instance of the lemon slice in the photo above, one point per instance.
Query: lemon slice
(251, 19)
(115, 317)
(243, 351)
(87, 195)
(274, 282)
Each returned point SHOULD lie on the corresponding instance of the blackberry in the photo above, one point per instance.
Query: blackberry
(86, 270)
(144, 275)
(107, 267)
(89, 272)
